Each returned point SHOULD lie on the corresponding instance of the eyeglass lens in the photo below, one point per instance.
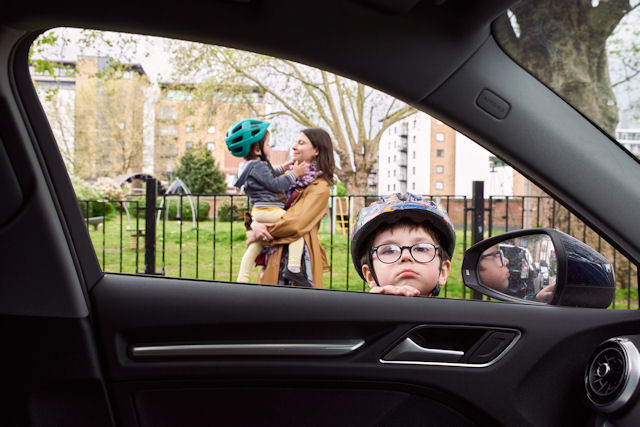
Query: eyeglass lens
(421, 252)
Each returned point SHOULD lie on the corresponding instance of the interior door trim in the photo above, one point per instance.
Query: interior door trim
(313, 348)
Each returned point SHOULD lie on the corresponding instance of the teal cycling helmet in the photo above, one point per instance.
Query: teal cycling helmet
(391, 209)
(243, 134)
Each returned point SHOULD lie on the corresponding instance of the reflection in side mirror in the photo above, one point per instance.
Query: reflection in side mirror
(539, 265)
(514, 267)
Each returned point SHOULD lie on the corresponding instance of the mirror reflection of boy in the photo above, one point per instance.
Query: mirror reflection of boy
(493, 269)
(402, 245)
(494, 273)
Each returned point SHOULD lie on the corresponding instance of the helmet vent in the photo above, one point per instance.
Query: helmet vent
(612, 375)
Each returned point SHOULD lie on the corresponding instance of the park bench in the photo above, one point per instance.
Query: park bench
(95, 221)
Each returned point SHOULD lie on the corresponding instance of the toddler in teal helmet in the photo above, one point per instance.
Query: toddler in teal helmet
(249, 138)
(402, 245)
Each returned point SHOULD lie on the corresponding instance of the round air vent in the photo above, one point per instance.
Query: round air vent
(612, 374)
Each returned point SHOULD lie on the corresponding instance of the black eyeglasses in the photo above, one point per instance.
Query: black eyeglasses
(498, 256)
(389, 253)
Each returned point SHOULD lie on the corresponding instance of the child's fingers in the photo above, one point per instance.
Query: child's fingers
(408, 291)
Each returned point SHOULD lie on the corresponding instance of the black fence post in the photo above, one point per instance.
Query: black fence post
(477, 221)
(150, 227)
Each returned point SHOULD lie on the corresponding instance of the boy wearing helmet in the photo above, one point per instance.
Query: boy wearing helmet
(249, 138)
(402, 245)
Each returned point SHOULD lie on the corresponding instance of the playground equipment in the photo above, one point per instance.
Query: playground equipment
(175, 188)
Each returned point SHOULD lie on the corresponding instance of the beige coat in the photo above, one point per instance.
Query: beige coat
(302, 219)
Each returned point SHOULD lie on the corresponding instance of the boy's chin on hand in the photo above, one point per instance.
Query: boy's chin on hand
(404, 290)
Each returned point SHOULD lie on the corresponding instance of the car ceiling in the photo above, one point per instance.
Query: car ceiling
(356, 38)
(436, 55)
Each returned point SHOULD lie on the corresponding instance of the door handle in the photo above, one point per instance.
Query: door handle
(409, 351)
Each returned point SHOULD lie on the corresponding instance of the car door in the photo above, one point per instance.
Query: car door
(87, 348)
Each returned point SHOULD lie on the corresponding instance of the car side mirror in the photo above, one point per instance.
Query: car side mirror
(540, 265)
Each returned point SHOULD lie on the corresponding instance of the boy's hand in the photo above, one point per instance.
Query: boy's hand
(299, 168)
(286, 164)
(404, 290)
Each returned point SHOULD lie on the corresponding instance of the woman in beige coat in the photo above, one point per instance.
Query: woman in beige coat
(307, 202)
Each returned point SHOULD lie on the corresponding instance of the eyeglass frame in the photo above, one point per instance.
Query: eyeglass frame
(410, 248)
(493, 254)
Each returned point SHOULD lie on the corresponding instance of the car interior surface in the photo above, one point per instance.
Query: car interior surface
(85, 348)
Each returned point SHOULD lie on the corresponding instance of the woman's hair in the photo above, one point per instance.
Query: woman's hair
(321, 140)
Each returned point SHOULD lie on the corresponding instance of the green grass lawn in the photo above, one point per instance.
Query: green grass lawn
(192, 252)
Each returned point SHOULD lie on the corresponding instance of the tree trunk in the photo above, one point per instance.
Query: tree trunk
(564, 45)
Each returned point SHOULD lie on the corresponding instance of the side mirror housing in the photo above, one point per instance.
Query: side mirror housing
(539, 266)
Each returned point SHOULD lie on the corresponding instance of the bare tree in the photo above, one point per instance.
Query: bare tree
(565, 44)
(354, 114)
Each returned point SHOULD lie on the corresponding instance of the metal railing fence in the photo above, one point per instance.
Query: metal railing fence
(202, 236)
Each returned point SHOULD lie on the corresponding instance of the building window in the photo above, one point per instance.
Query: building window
(439, 185)
(389, 145)
(414, 139)
(121, 125)
(189, 128)
(394, 172)
(413, 154)
(439, 136)
(211, 129)
(211, 146)
(388, 187)
(413, 185)
(389, 159)
(168, 112)
(438, 122)
(188, 144)
(388, 174)
(413, 170)
(439, 153)
(394, 157)
(167, 130)
(394, 187)
(439, 169)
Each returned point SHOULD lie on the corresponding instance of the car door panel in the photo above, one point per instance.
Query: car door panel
(547, 362)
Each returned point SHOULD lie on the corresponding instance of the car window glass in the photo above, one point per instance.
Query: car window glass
(587, 52)
(131, 111)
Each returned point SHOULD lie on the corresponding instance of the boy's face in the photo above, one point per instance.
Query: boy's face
(492, 273)
(407, 271)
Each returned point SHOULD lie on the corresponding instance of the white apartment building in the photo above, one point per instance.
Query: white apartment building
(422, 155)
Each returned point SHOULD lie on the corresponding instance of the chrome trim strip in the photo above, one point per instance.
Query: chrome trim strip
(315, 348)
(463, 365)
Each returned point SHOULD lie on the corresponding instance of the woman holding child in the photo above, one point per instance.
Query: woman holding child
(306, 204)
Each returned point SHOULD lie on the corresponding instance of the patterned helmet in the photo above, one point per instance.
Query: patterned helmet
(392, 209)
(244, 133)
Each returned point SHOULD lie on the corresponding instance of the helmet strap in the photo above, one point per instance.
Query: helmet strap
(436, 289)
(370, 264)
(264, 158)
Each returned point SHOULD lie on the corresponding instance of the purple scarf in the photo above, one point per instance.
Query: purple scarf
(301, 183)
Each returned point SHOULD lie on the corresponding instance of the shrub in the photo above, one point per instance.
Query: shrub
(224, 212)
(96, 208)
(202, 210)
